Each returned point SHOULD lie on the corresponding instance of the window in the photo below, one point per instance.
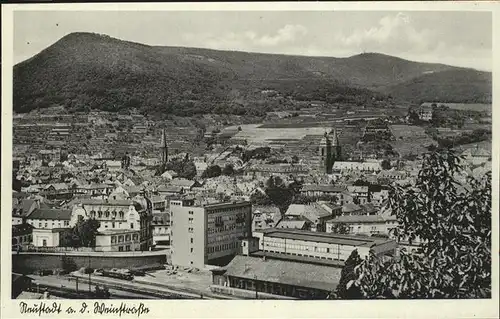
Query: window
(191, 240)
(190, 229)
(113, 224)
(120, 248)
(192, 249)
(190, 220)
(44, 242)
(127, 248)
(127, 238)
(113, 239)
(39, 225)
(190, 212)
(45, 225)
(107, 214)
(120, 238)
(131, 225)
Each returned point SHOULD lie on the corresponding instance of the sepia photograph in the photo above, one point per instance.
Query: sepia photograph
(251, 155)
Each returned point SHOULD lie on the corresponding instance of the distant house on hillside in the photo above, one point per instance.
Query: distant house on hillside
(425, 112)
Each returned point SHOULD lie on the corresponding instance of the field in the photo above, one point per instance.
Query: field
(469, 106)
(410, 139)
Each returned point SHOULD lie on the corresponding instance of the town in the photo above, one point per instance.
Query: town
(123, 206)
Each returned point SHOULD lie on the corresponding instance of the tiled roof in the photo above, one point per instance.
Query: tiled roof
(285, 272)
(114, 202)
(347, 208)
(53, 214)
(294, 224)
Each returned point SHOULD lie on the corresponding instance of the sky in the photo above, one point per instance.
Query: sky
(454, 38)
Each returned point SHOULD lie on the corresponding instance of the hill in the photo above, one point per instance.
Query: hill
(85, 71)
(453, 86)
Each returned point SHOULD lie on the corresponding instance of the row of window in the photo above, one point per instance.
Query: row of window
(222, 247)
(54, 224)
(122, 238)
(298, 247)
(212, 230)
(303, 255)
(106, 214)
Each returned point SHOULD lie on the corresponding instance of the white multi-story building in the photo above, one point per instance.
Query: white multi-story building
(208, 234)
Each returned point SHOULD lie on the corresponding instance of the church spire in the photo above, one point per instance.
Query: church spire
(335, 138)
(164, 147)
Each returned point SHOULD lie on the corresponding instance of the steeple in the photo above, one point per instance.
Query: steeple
(335, 138)
(164, 147)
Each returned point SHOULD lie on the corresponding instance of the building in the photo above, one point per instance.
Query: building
(315, 190)
(113, 166)
(21, 209)
(314, 212)
(208, 234)
(365, 167)
(118, 219)
(277, 277)
(424, 113)
(161, 229)
(265, 217)
(47, 237)
(22, 236)
(364, 224)
(266, 170)
(329, 151)
(49, 218)
(320, 245)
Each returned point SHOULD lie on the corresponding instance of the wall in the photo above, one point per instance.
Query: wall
(28, 263)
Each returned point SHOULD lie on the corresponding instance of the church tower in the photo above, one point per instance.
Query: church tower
(164, 148)
(329, 151)
(336, 149)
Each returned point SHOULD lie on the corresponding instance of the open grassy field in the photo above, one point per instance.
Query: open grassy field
(469, 106)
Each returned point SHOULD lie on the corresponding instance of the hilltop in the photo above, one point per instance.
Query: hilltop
(84, 71)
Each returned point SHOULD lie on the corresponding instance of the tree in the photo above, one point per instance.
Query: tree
(452, 221)
(188, 170)
(345, 288)
(228, 170)
(259, 199)
(386, 164)
(212, 171)
(82, 234)
(280, 194)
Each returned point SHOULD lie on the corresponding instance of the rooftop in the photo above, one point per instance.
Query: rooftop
(227, 204)
(54, 214)
(285, 272)
(320, 237)
(108, 202)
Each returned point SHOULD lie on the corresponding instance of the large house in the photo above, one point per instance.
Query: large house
(49, 218)
(124, 224)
